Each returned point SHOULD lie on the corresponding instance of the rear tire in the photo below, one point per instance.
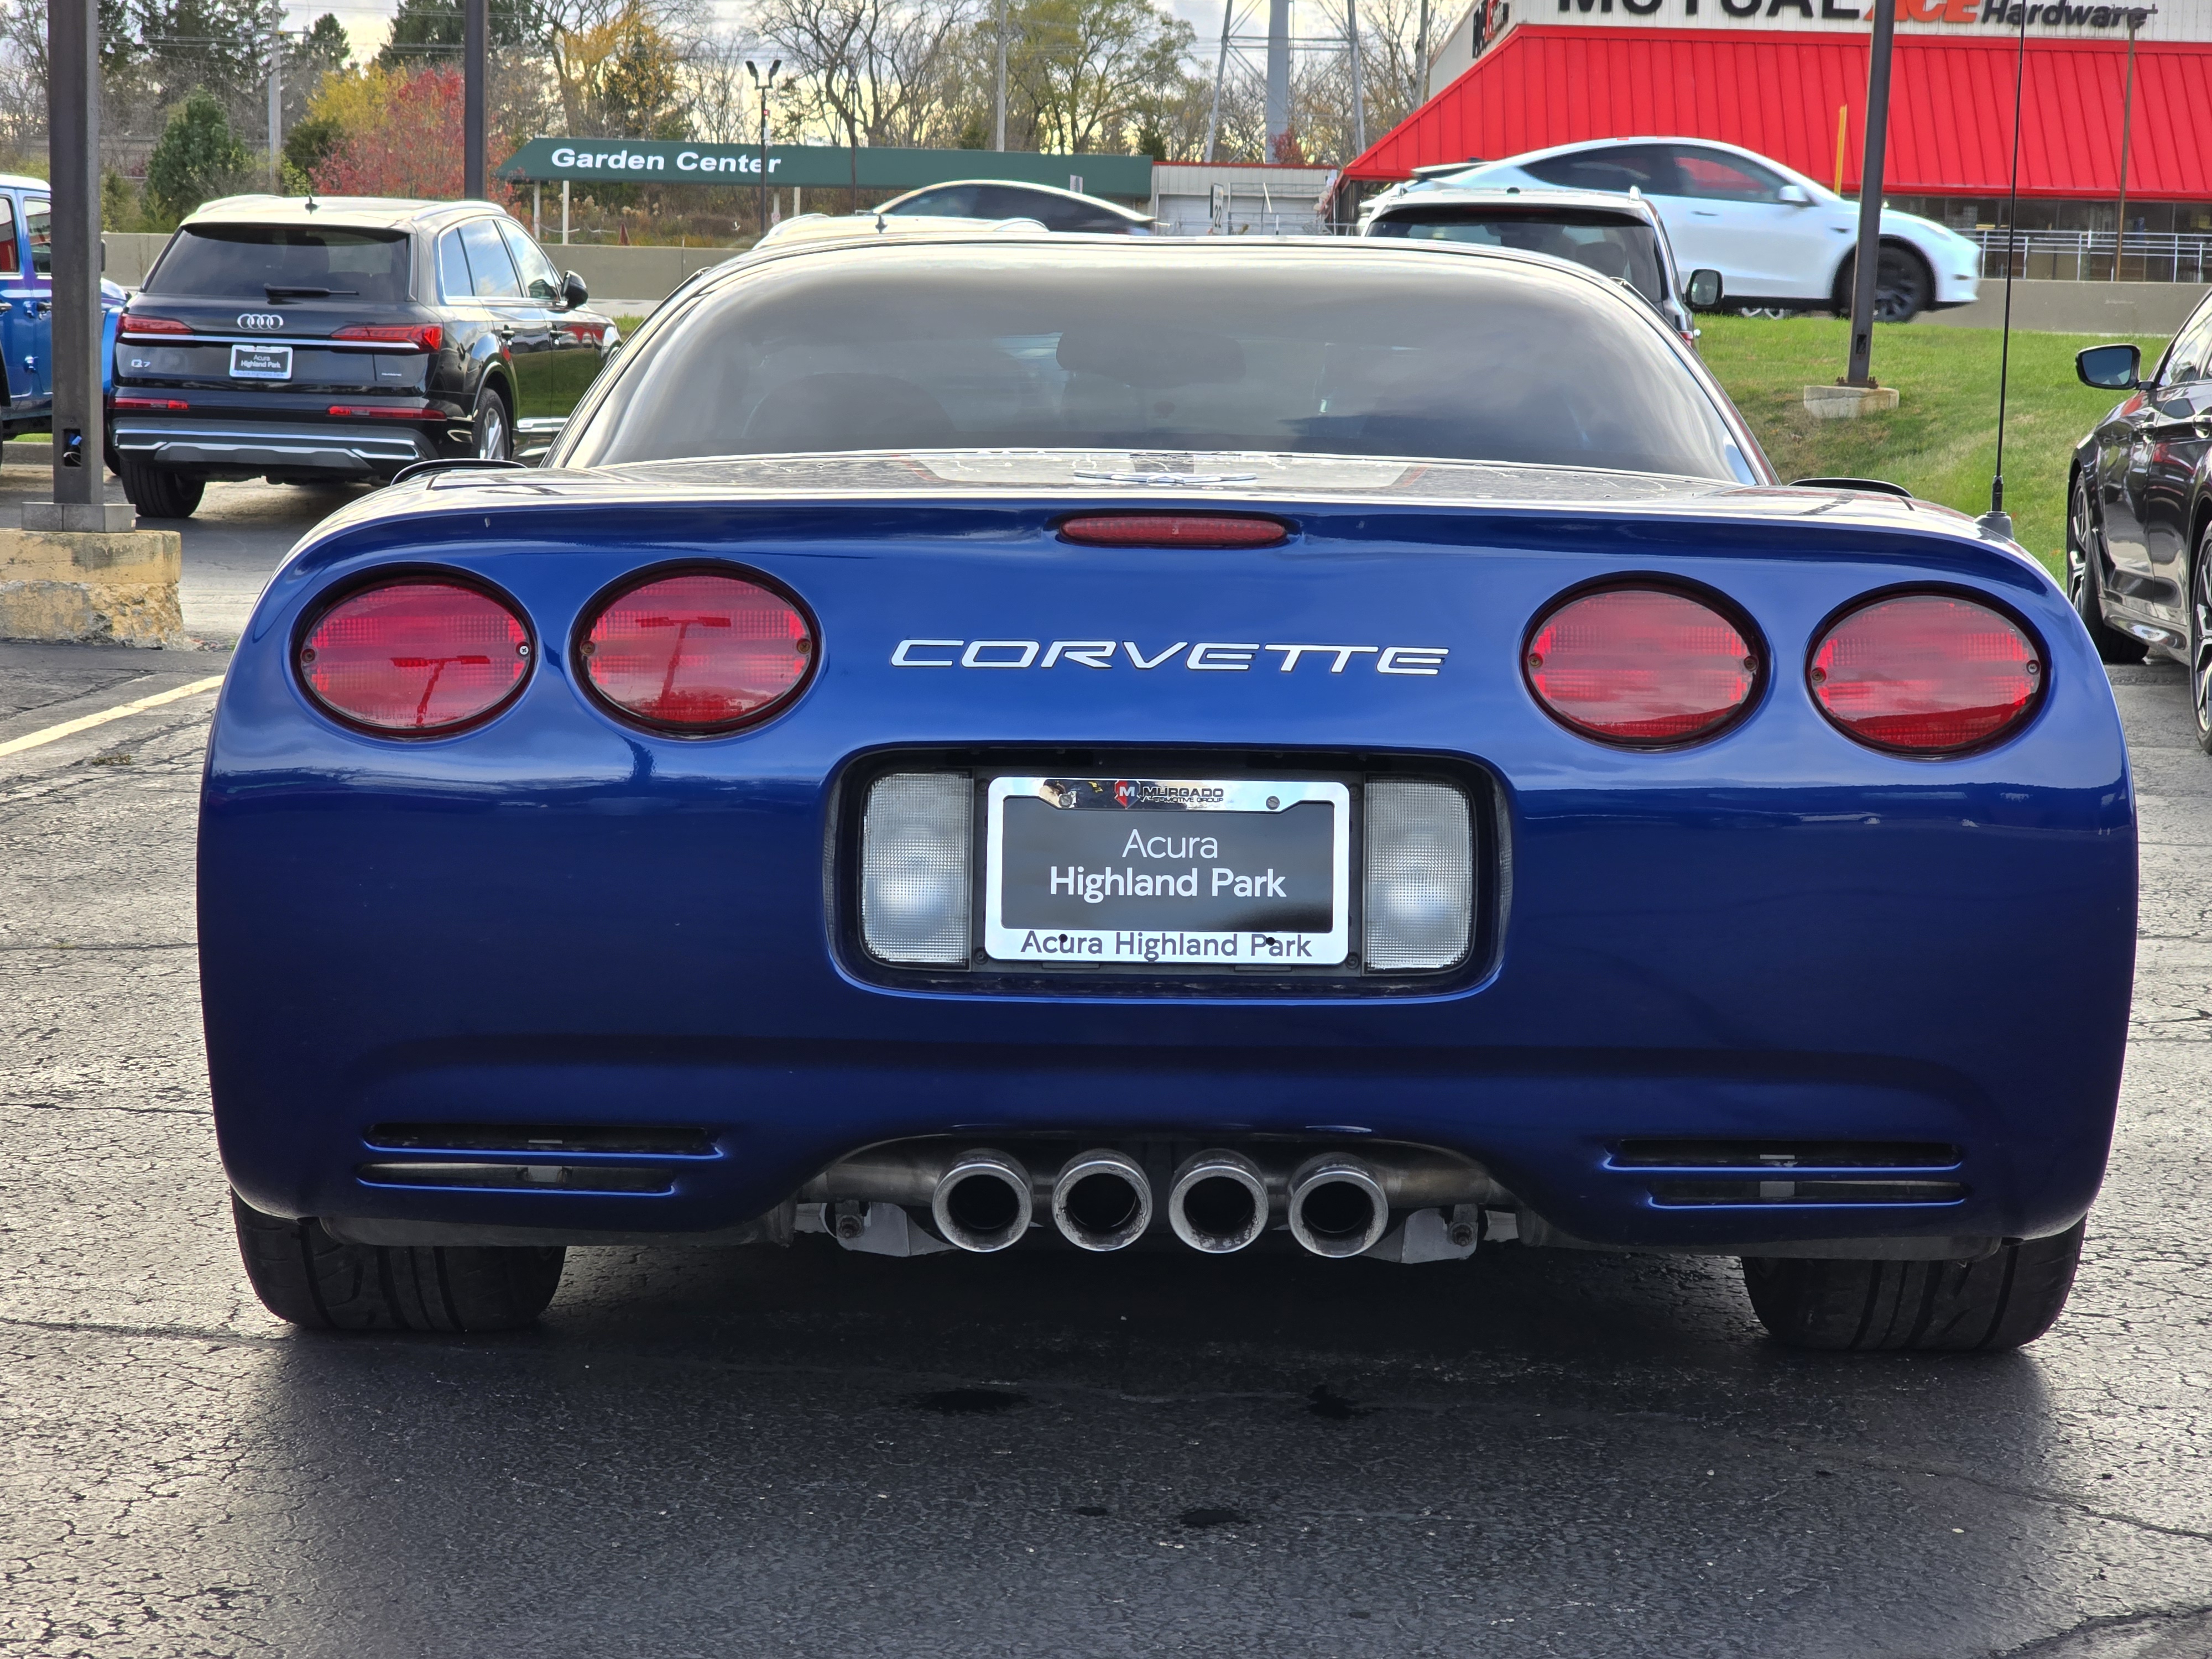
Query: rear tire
(1904, 287)
(2003, 1301)
(160, 493)
(305, 1277)
(495, 427)
(2084, 587)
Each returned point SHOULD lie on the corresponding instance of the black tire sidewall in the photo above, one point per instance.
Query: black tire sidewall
(2200, 576)
(490, 397)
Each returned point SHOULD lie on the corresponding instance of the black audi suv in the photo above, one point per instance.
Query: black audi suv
(341, 339)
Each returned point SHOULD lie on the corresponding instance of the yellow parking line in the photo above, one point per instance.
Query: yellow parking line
(86, 722)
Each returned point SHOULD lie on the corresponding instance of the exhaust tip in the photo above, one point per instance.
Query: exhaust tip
(1102, 1202)
(1337, 1206)
(1218, 1202)
(982, 1202)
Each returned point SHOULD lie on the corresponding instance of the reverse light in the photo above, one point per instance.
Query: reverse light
(133, 324)
(699, 653)
(1926, 674)
(415, 336)
(1171, 530)
(1418, 895)
(914, 867)
(1644, 667)
(414, 656)
(389, 411)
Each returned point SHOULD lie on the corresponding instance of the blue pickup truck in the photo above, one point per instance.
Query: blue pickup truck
(26, 325)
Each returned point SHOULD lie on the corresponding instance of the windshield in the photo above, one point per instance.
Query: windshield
(298, 262)
(1626, 253)
(1333, 351)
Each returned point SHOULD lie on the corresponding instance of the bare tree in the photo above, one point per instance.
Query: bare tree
(867, 71)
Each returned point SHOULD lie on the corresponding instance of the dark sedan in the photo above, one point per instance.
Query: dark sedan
(2139, 524)
(309, 341)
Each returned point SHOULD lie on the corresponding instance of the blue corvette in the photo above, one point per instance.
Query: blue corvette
(989, 741)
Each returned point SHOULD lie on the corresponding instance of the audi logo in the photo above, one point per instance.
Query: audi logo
(259, 320)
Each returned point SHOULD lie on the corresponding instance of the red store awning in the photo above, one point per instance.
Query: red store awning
(1950, 108)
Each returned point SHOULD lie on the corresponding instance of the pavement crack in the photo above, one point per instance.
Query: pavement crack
(2086, 1639)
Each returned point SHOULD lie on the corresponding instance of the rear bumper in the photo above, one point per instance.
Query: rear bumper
(250, 447)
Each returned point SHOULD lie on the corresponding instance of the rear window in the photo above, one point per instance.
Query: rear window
(1329, 351)
(299, 261)
(1626, 253)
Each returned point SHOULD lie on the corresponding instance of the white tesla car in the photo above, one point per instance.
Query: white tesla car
(1777, 238)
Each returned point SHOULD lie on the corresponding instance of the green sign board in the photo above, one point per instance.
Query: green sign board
(652, 161)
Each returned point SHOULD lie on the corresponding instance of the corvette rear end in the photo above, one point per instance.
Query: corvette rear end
(961, 850)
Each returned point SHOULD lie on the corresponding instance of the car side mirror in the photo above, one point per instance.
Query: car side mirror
(1795, 195)
(573, 291)
(2110, 368)
(1704, 290)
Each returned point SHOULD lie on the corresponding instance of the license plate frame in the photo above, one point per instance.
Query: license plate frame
(1246, 821)
(260, 362)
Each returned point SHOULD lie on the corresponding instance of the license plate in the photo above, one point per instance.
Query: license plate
(1171, 872)
(261, 362)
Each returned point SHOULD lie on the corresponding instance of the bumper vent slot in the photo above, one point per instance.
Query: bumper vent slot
(1839, 1155)
(529, 1138)
(1680, 1194)
(521, 1177)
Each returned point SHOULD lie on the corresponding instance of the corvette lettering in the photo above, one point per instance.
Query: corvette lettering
(1203, 656)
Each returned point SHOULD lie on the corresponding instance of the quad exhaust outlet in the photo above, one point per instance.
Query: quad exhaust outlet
(1337, 1206)
(1102, 1201)
(983, 1203)
(1218, 1202)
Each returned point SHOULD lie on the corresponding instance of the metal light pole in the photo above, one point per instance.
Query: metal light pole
(763, 88)
(1279, 77)
(80, 500)
(1868, 265)
(276, 101)
(1421, 57)
(474, 28)
(2127, 118)
(998, 122)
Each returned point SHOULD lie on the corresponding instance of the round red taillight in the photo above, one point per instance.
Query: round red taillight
(1926, 674)
(1641, 667)
(700, 652)
(414, 656)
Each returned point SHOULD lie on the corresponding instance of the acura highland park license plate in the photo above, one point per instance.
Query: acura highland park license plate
(1167, 872)
(261, 362)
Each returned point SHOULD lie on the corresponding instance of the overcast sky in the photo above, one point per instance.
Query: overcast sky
(365, 20)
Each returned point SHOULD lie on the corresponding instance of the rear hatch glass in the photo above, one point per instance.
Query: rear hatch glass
(275, 263)
(1626, 251)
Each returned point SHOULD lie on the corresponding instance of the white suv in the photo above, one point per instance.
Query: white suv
(1777, 237)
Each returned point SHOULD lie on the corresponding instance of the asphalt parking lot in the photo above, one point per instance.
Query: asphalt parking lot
(751, 1452)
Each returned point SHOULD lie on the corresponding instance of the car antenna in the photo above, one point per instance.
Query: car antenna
(1996, 521)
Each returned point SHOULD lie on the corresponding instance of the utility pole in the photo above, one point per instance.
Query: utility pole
(1359, 91)
(80, 500)
(1868, 265)
(473, 31)
(1220, 69)
(1279, 78)
(761, 89)
(999, 121)
(1421, 59)
(275, 99)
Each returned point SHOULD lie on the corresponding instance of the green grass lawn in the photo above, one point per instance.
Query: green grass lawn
(1940, 440)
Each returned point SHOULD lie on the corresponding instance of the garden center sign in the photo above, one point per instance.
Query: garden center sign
(648, 160)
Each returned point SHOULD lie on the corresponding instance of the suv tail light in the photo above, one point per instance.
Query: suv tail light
(1926, 674)
(414, 656)
(134, 323)
(416, 337)
(1643, 667)
(1171, 530)
(699, 653)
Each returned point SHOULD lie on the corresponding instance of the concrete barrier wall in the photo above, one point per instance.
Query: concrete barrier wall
(2144, 310)
(639, 277)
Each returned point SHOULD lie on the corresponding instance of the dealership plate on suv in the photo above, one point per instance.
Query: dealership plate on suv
(261, 362)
